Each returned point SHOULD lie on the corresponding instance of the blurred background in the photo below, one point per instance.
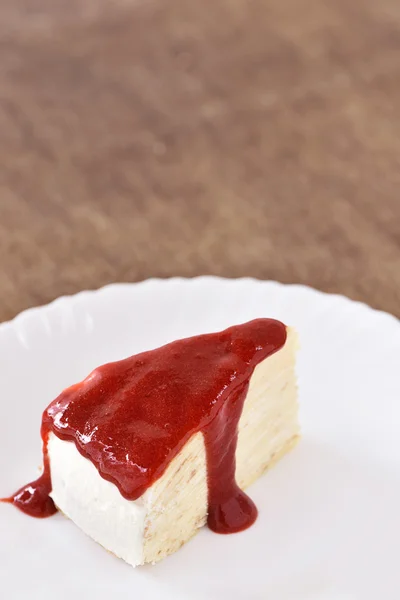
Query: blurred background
(143, 138)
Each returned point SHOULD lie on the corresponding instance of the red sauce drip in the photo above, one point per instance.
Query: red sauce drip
(33, 499)
(132, 417)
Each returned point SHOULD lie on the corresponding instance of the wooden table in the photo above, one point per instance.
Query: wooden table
(147, 138)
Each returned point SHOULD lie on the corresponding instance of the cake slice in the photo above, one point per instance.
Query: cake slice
(146, 451)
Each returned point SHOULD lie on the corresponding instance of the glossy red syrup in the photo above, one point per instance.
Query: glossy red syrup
(132, 417)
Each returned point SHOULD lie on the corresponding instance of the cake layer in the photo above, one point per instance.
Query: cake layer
(171, 511)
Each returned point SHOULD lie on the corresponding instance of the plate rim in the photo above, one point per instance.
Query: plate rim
(291, 287)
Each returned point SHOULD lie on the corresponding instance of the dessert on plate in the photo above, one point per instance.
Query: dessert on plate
(146, 450)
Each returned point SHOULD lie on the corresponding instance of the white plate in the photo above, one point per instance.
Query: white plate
(329, 525)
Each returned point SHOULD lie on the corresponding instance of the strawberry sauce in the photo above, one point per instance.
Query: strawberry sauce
(132, 417)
